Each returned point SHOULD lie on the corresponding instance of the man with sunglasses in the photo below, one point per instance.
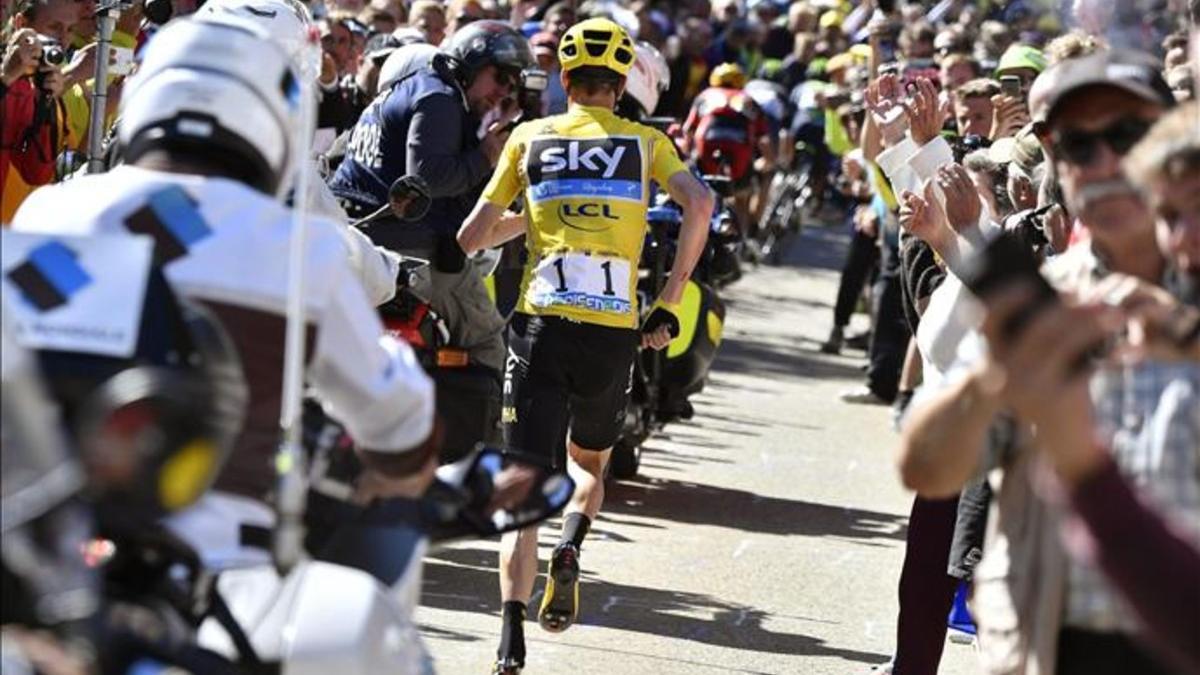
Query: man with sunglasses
(1038, 608)
(426, 124)
(1088, 113)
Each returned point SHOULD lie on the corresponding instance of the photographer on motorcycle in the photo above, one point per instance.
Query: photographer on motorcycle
(207, 127)
(427, 125)
(288, 22)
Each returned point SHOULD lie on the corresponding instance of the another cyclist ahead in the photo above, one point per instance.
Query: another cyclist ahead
(585, 177)
(725, 131)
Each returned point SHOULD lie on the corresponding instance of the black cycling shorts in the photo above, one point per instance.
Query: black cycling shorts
(559, 373)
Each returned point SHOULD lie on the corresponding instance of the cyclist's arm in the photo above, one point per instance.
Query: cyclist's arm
(697, 202)
(489, 226)
(690, 123)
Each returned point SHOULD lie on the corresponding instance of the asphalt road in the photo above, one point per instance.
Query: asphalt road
(763, 536)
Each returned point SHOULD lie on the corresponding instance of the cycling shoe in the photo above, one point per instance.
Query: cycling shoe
(560, 602)
(508, 666)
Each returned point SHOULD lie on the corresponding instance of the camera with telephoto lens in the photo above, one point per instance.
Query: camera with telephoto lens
(53, 54)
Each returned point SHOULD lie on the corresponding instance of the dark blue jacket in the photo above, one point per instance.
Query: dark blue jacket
(422, 126)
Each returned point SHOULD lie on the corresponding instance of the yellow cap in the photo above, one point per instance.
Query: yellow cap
(840, 62)
(831, 18)
(861, 53)
(727, 75)
(596, 42)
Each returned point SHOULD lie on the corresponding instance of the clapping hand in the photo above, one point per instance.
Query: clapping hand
(924, 111)
(963, 205)
(882, 98)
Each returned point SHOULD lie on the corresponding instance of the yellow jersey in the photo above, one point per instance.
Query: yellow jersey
(585, 176)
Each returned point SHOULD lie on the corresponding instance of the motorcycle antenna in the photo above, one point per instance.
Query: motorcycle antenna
(288, 543)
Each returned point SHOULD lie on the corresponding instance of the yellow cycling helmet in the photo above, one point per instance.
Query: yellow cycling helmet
(727, 75)
(596, 42)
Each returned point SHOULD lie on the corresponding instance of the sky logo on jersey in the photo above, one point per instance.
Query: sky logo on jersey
(608, 168)
(171, 218)
(50, 277)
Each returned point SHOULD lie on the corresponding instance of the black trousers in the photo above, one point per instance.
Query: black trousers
(889, 339)
(1083, 652)
(860, 260)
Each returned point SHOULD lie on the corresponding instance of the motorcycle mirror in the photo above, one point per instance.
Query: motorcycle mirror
(409, 198)
(464, 492)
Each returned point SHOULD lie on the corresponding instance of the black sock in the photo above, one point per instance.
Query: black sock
(575, 528)
(512, 632)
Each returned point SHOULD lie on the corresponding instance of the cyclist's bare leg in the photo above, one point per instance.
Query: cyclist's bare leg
(586, 468)
(518, 550)
(518, 564)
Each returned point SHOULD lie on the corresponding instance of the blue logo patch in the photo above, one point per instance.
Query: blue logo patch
(50, 277)
(583, 187)
(171, 218)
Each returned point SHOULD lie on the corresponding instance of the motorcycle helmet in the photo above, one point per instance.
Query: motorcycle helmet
(219, 88)
(597, 43)
(488, 43)
(649, 77)
(727, 75)
(288, 22)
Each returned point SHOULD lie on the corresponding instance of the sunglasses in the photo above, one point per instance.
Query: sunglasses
(507, 79)
(1079, 147)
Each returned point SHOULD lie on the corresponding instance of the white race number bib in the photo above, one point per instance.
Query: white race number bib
(592, 282)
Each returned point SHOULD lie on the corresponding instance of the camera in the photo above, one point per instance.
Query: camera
(1029, 226)
(961, 146)
(529, 94)
(53, 54)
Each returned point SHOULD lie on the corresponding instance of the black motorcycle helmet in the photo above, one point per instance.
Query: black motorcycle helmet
(488, 43)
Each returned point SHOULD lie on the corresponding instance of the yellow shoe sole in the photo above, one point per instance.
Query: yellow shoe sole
(560, 602)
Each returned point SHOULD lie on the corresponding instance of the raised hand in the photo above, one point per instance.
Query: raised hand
(20, 56)
(924, 111)
(963, 204)
(1009, 115)
(882, 99)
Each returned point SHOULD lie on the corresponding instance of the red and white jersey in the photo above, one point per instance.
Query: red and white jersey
(226, 245)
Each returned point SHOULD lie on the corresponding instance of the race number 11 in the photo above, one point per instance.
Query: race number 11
(573, 278)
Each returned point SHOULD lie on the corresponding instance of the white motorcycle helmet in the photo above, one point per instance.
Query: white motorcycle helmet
(218, 87)
(649, 77)
(287, 21)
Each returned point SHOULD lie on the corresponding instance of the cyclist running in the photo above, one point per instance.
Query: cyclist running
(585, 177)
(724, 131)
